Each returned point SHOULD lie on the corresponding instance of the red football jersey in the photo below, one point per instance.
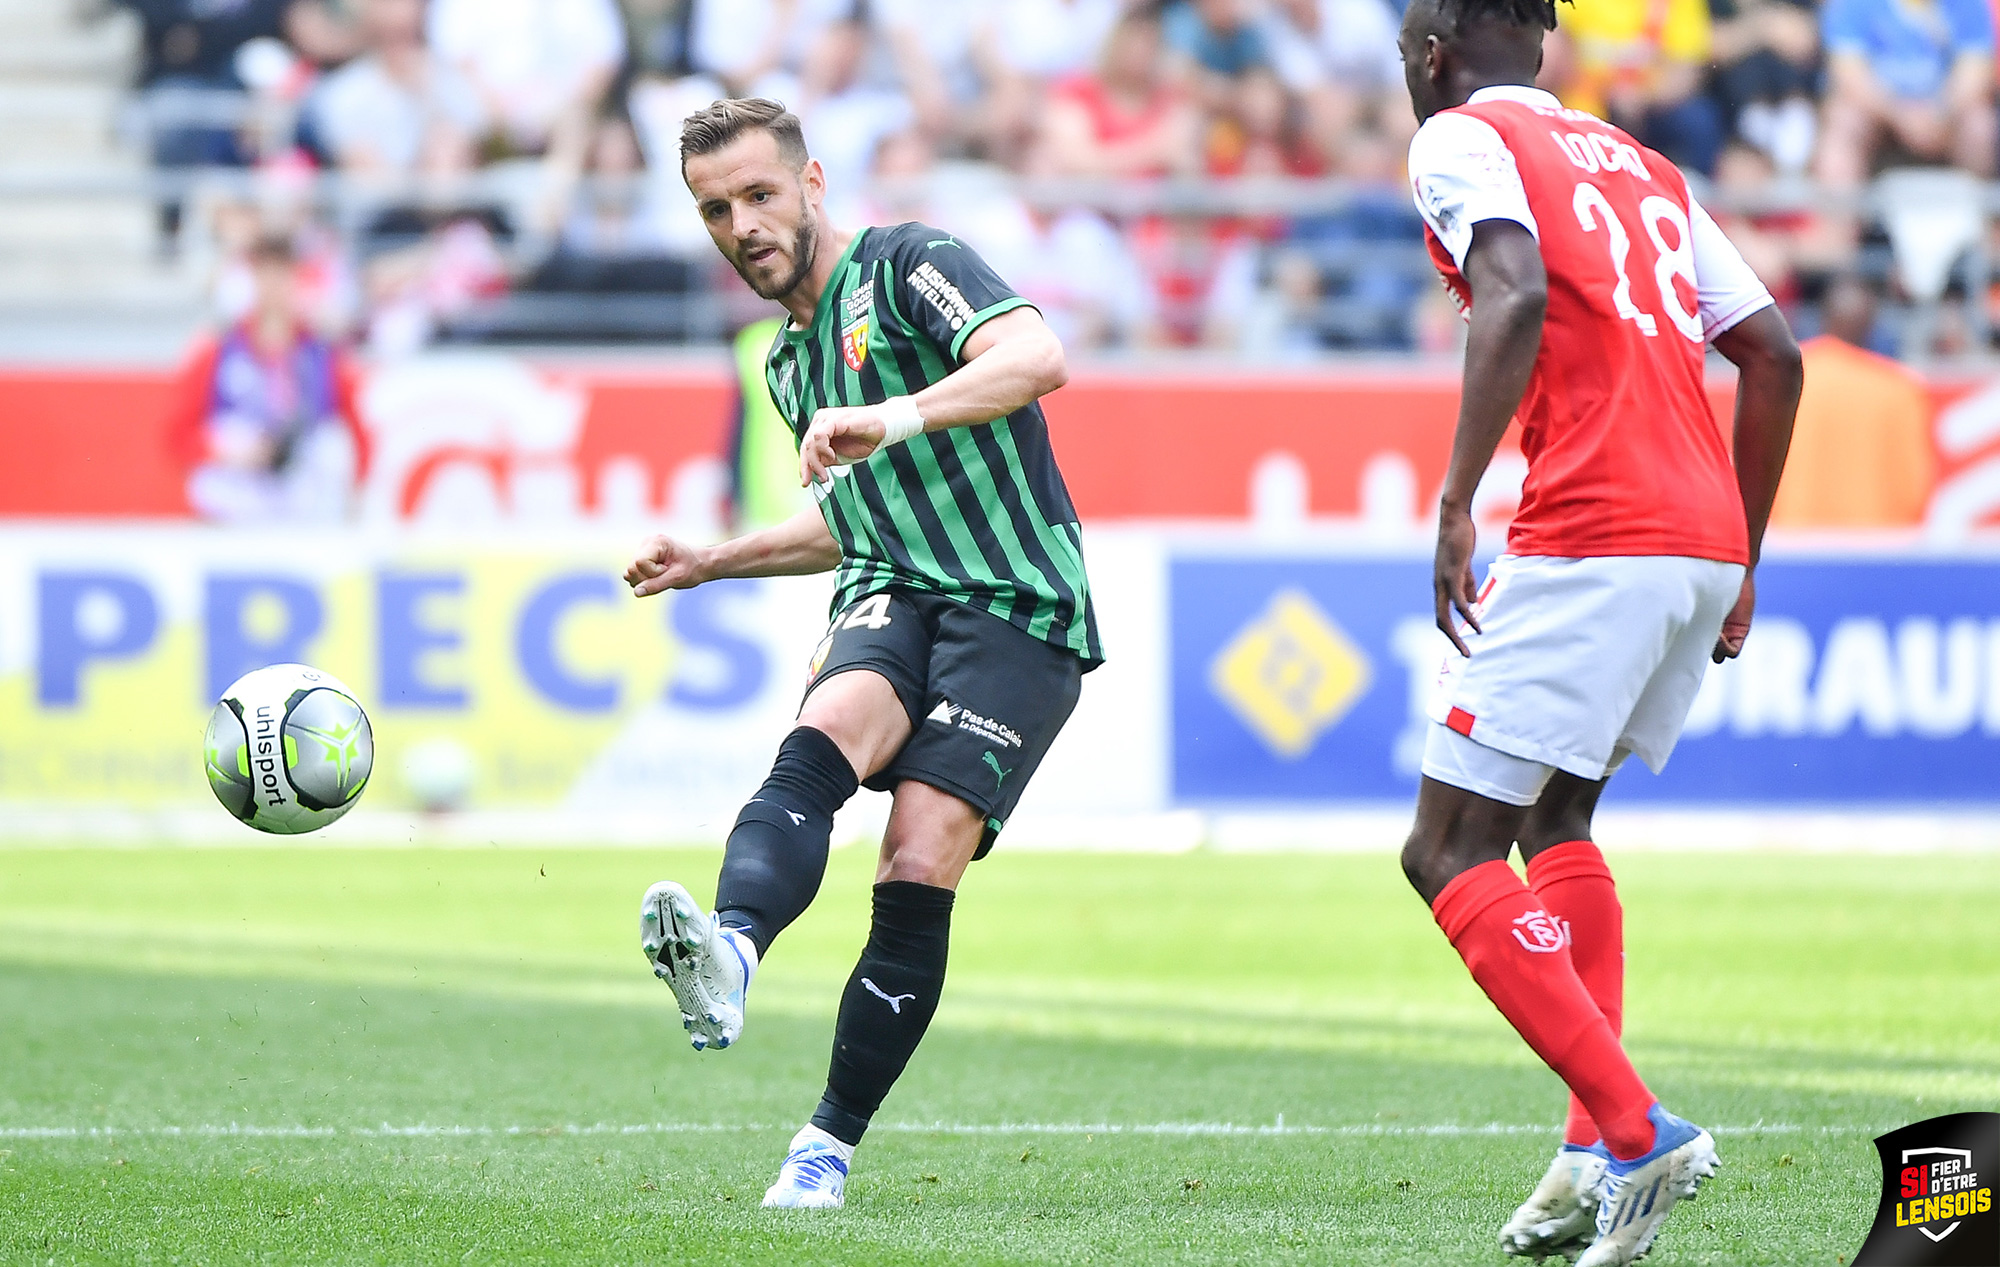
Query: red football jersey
(1624, 453)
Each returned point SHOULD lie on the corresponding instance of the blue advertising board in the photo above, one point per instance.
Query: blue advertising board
(1299, 679)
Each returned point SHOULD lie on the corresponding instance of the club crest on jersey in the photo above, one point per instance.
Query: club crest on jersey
(854, 343)
(857, 320)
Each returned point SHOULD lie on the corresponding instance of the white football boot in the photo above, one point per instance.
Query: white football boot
(708, 966)
(1636, 1196)
(1560, 1217)
(814, 1176)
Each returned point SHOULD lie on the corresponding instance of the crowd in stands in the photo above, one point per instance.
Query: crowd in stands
(968, 113)
(578, 102)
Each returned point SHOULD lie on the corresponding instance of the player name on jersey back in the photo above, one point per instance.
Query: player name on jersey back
(1624, 453)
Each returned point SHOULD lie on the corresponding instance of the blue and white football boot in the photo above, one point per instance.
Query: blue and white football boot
(814, 1176)
(708, 966)
(1637, 1195)
(1559, 1218)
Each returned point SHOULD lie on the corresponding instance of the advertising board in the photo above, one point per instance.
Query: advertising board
(1300, 678)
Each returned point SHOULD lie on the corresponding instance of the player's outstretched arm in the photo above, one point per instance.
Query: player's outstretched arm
(797, 547)
(1011, 360)
(1510, 293)
(1770, 374)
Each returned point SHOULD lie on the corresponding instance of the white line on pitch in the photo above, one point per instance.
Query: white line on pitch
(424, 1130)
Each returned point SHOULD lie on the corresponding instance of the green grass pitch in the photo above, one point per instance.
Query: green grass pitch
(293, 1054)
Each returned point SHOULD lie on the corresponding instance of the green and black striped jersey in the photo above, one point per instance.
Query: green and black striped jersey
(976, 513)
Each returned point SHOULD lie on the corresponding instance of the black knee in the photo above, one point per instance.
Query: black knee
(811, 775)
(1564, 813)
(1455, 831)
(776, 857)
(1421, 864)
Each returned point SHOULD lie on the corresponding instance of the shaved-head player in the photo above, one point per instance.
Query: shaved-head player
(1594, 286)
(909, 373)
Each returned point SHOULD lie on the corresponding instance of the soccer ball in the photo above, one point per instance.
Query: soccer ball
(288, 749)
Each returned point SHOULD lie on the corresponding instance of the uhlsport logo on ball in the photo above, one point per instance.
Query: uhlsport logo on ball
(288, 749)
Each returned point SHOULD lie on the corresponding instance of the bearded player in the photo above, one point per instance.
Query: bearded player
(1593, 285)
(962, 622)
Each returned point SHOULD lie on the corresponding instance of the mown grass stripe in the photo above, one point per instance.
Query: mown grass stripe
(423, 1130)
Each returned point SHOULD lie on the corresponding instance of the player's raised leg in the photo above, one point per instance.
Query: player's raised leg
(1569, 875)
(893, 991)
(776, 854)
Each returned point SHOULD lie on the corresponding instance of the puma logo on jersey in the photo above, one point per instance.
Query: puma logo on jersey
(993, 764)
(934, 243)
(895, 1001)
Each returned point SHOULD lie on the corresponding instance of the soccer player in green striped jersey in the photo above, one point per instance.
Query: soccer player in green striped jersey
(962, 621)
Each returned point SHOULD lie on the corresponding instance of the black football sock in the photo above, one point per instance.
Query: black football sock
(776, 855)
(887, 1006)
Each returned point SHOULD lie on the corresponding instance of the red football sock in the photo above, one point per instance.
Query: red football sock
(1576, 887)
(1519, 955)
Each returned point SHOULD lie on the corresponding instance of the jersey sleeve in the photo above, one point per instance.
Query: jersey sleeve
(944, 288)
(1727, 288)
(1461, 172)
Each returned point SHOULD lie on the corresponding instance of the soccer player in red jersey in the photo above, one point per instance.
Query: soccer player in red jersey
(1593, 284)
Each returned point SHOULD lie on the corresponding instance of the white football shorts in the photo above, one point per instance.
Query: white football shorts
(1579, 662)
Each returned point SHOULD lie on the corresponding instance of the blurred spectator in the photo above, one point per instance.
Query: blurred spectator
(1785, 247)
(1339, 58)
(1284, 322)
(414, 289)
(617, 234)
(192, 99)
(192, 44)
(845, 119)
(1363, 254)
(1202, 281)
(1128, 119)
(1033, 44)
(1071, 264)
(1132, 119)
(657, 36)
(745, 42)
(1861, 453)
(613, 212)
(1766, 61)
(1260, 136)
(262, 413)
(1639, 63)
(1047, 40)
(1220, 50)
(942, 52)
(1920, 73)
(321, 277)
(540, 66)
(398, 108)
(1219, 38)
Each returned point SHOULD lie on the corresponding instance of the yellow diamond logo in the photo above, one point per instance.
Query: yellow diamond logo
(1291, 674)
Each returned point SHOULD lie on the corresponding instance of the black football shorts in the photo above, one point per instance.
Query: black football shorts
(985, 698)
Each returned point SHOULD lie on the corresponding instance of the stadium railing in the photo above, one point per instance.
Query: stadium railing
(1924, 230)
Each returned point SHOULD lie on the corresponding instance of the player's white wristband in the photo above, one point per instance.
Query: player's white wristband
(900, 420)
